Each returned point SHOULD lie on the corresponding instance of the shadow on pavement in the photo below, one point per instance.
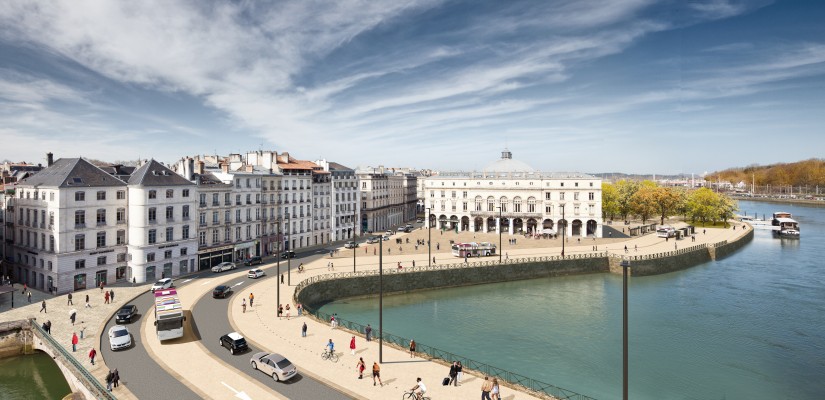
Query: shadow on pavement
(190, 330)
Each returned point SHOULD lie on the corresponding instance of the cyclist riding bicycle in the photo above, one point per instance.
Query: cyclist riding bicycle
(419, 389)
(330, 347)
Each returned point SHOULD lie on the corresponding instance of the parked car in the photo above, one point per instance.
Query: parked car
(419, 220)
(350, 245)
(255, 273)
(221, 291)
(373, 239)
(126, 313)
(234, 342)
(119, 338)
(162, 284)
(224, 266)
(274, 364)
(288, 254)
(389, 232)
(385, 237)
(253, 261)
(402, 229)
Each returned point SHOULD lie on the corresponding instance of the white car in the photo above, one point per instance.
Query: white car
(255, 273)
(119, 338)
(162, 284)
(350, 245)
(274, 365)
(224, 266)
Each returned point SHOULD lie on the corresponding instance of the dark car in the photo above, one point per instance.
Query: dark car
(221, 291)
(288, 254)
(234, 342)
(126, 313)
(253, 261)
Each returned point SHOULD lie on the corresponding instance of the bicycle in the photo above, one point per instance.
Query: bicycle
(413, 396)
(327, 355)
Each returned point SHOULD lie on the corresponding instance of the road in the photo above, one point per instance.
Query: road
(213, 322)
(147, 380)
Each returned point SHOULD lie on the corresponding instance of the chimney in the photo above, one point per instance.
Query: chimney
(49, 159)
(190, 167)
(225, 168)
(200, 167)
(249, 168)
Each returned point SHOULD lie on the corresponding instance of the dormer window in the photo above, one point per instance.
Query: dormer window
(153, 194)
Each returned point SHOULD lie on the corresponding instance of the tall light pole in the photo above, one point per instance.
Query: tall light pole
(500, 249)
(289, 246)
(625, 266)
(381, 300)
(429, 240)
(563, 229)
(354, 245)
(278, 266)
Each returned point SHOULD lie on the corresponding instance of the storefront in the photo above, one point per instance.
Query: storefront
(209, 258)
(246, 250)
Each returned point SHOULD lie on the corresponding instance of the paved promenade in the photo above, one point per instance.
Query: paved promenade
(261, 326)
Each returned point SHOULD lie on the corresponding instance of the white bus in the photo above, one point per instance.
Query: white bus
(168, 315)
(473, 249)
(665, 231)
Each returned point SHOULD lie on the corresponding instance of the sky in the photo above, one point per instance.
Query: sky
(634, 86)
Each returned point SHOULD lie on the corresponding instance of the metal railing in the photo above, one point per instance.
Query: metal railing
(84, 376)
(526, 383)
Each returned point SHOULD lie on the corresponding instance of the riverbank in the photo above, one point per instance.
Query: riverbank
(778, 200)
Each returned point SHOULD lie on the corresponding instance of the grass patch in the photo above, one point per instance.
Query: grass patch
(717, 224)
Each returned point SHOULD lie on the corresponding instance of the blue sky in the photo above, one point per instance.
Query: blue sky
(633, 86)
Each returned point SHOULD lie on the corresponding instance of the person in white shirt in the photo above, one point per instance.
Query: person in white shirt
(419, 389)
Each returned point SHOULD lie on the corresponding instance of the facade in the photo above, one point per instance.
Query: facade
(68, 228)
(297, 197)
(162, 241)
(511, 196)
(388, 198)
(342, 219)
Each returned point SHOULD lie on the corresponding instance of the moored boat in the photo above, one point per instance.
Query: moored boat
(784, 225)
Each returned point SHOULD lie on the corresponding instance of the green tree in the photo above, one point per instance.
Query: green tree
(644, 200)
(610, 201)
(626, 190)
(667, 200)
(701, 205)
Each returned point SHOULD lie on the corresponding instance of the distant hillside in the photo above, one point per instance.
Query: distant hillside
(809, 172)
(617, 176)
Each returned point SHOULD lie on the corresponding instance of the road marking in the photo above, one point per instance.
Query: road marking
(188, 280)
(240, 395)
(239, 283)
(206, 282)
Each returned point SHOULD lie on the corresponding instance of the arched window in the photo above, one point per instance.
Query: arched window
(491, 203)
(503, 202)
(517, 204)
(531, 204)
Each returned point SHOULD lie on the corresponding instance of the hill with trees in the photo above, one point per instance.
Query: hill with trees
(802, 173)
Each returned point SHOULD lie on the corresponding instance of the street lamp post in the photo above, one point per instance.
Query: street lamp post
(429, 239)
(625, 266)
(288, 257)
(500, 249)
(353, 248)
(563, 229)
(278, 265)
(381, 300)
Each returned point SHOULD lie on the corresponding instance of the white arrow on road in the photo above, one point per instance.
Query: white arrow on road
(239, 283)
(188, 280)
(206, 282)
(240, 395)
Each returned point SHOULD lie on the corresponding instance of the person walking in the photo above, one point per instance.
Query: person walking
(29, 296)
(486, 388)
(92, 354)
(110, 377)
(47, 326)
(69, 300)
(300, 309)
(454, 374)
(376, 374)
(243, 305)
(101, 286)
(116, 378)
(459, 373)
(73, 315)
(280, 311)
(106, 298)
(282, 279)
(74, 341)
(352, 345)
(368, 332)
(87, 302)
(251, 299)
(412, 348)
(495, 391)
(360, 367)
(112, 295)
(43, 307)
(304, 330)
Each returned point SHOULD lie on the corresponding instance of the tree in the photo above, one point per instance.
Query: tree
(667, 201)
(610, 201)
(644, 201)
(626, 190)
(701, 205)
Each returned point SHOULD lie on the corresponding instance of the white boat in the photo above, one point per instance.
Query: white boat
(756, 223)
(784, 226)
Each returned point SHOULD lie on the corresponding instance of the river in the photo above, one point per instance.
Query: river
(31, 377)
(749, 326)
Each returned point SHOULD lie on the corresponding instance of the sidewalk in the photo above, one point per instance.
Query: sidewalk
(90, 321)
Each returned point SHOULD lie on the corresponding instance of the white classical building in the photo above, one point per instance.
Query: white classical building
(510, 195)
(68, 227)
(342, 201)
(162, 241)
